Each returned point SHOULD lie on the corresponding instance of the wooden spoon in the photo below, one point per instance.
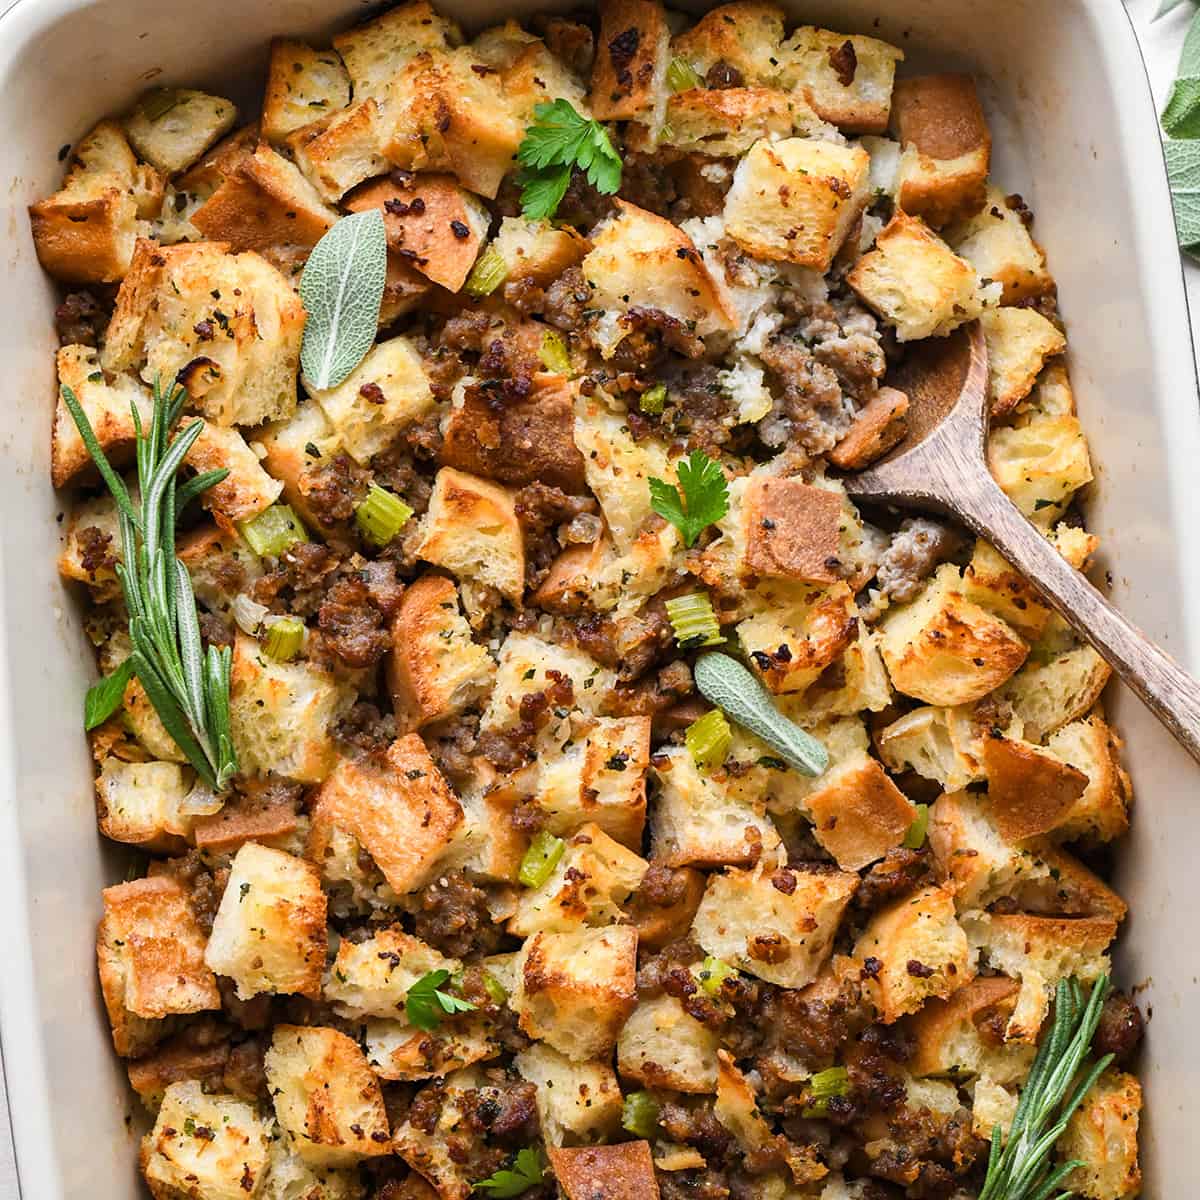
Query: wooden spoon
(941, 465)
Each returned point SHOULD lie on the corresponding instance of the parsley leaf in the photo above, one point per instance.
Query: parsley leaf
(425, 1003)
(700, 500)
(559, 140)
(526, 1173)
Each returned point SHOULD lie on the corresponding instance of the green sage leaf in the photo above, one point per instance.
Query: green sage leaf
(105, 697)
(342, 290)
(1165, 7)
(1183, 171)
(1181, 117)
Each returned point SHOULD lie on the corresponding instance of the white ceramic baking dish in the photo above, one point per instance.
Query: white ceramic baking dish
(1075, 132)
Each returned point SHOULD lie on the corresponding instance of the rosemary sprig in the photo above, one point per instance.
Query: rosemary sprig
(1019, 1169)
(188, 688)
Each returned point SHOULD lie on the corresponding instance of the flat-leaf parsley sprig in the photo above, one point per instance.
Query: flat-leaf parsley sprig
(559, 140)
(188, 688)
(425, 1003)
(700, 500)
(527, 1171)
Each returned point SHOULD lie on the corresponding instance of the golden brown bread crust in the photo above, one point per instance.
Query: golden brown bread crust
(861, 816)
(879, 426)
(1031, 792)
(939, 1020)
(621, 1172)
(630, 54)
(792, 530)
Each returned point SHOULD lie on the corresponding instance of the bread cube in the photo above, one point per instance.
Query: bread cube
(214, 1146)
(630, 68)
(434, 670)
(1066, 888)
(663, 1046)
(777, 926)
(1019, 341)
(1091, 747)
(797, 200)
(387, 392)
(247, 489)
(289, 1177)
(1040, 951)
(1103, 1135)
(577, 1102)
(435, 1153)
(725, 121)
(640, 260)
(141, 804)
(576, 988)
(936, 743)
(944, 649)
(947, 147)
(339, 151)
(599, 779)
(281, 714)
(1031, 791)
(401, 811)
(624, 1171)
(374, 51)
(795, 631)
(295, 452)
(150, 956)
(1048, 695)
(491, 845)
(264, 203)
(301, 82)
(172, 127)
(996, 241)
(529, 73)
(232, 320)
(792, 530)
(916, 283)
(989, 581)
(471, 529)
(537, 250)
(912, 950)
(326, 1098)
(695, 821)
(433, 223)
(1041, 464)
(847, 80)
(858, 683)
(402, 1053)
(91, 546)
(371, 978)
(443, 115)
(269, 932)
(879, 426)
(745, 35)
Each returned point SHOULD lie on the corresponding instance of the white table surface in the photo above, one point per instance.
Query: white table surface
(1161, 41)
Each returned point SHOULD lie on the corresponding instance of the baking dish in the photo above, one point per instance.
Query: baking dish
(1070, 108)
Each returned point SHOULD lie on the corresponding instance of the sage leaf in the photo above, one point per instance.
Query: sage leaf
(1165, 7)
(1189, 56)
(1183, 171)
(342, 290)
(1181, 117)
(105, 697)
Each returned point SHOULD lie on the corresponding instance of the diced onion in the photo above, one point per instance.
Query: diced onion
(248, 614)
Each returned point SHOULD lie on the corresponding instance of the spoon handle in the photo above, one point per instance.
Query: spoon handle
(1165, 687)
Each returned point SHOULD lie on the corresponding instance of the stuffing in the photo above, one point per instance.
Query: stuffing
(629, 74)
(745, 36)
(537, 250)
(727, 121)
(879, 426)
(1102, 1135)
(621, 1172)
(341, 150)
(996, 241)
(577, 1102)
(1092, 748)
(1030, 790)
(402, 1053)
(663, 1046)
(1019, 341)
(937, 743)
(1041, 464)
(1046, 695)
(247, 489)
(170, 128)
(143, 803)
(301, 81)
(371, 978)
(295, 451)
(797, 200)
(376, 50)
(792, 530)
(91, 546)
(269, 931)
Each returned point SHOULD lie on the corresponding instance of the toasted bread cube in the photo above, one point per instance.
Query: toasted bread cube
(441, 235)
(537, 250)
(531, 439)
(725, 121)
(91, 547)
(301, 83)
(444, 115)
(1066, 888)
(431, 1152)
(177, 1061)
(847, 80)
(371, 978)
(630, 68)
(471, 529)
(326, 1097)
(1049, 695)
(105, 154)
(796, 200)
(795, 631)
(387, 392)
(600, 779)
(400, 1052)
(1040, 951)
(944, 649)
(1093, 748)
(594, 877)
(792, 530)
(1041, 465)
(150, 954)
(749, 921)
(576, 988)
(878, 427)
(247, 489)
(289, 1175)
(621, 1172)
(264, 203)
(109, 409)
(281, 714)
(435, 670)
(989, 581)
(916, 283)
(172, 127)
(861, 685)
(214, 1146)
(663, 1046)
(141, 804)
(296, 450)
(269, 932)
(579, 1102)
(947, 147)
(1030, 789)
(745, 35)
(1103, 1135)
(339, 151)
(1019, 341)
(936, 743)
(491, 844)
(948, 1038)
(997, 243)
(695, 821)
(529, 73)
(375, 51)
(922, 951)
(234, 313)
(640, 260)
